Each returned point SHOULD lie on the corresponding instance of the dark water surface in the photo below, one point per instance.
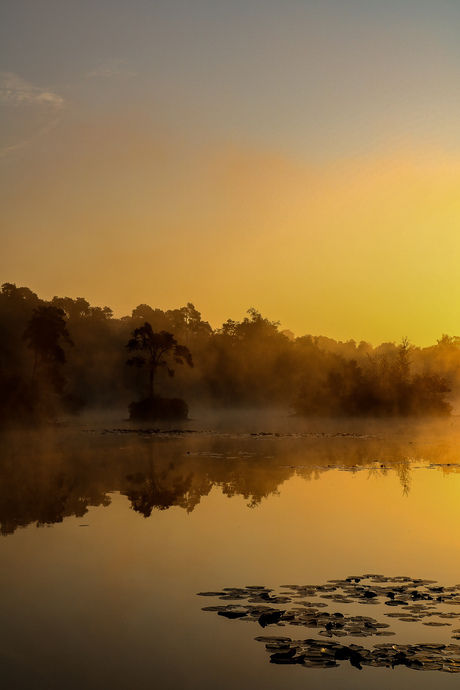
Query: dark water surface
(110, 532)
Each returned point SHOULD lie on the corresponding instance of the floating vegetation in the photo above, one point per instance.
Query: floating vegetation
(155, 432)
(415, 599)
(318, 654)
(248, 435)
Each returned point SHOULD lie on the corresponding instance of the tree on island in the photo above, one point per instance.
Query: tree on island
(158, 352)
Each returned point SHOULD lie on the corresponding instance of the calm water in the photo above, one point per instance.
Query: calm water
(111, 532)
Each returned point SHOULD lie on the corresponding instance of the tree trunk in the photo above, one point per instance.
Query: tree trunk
(152, 370)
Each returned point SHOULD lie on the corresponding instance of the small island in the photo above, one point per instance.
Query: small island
(157, 352)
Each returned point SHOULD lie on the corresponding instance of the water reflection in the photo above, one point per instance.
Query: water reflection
(51, 475)
(114, 605)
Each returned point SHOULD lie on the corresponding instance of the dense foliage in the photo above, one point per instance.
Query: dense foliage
(59, 355)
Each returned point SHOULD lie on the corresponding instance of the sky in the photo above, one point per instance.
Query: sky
(301, 157)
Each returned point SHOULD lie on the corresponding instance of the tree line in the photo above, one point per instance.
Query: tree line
(58, 356)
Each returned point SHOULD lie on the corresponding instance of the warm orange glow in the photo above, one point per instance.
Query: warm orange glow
(360, 248)
(318, 182)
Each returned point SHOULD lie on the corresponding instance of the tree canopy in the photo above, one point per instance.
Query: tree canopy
(158, 352)
(250, 362)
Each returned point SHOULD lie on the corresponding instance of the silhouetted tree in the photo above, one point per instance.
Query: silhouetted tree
(155, 317)
(428, 394)
(45, 332)
(247, 362)
(449, 342)
(161, 350)
(18, 294)
(384, 388)
(74, 308)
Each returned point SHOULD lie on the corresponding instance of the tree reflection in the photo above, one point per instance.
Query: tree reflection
(160, 490)
(45, 477)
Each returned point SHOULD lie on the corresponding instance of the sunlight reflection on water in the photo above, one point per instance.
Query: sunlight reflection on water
(114, 603)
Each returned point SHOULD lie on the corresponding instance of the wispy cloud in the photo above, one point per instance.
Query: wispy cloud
(31, 112)
(113, 69)
(27, 142)
(16, 91)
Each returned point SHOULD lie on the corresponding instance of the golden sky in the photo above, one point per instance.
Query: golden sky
(300, 157)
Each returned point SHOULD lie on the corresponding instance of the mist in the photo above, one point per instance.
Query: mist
(49, 476)
(62, 356)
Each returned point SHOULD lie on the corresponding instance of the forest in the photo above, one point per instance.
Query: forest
(61, 356)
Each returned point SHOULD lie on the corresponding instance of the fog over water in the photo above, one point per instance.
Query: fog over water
(64, 356)
(135, 521)
(229, 368)
(266, 460)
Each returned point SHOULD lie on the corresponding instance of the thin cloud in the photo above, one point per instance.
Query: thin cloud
(31, 112)
(16, 91)
(24, 144)
(113, 69)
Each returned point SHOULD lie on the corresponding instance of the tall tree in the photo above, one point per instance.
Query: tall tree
(45, 332)
(158, 352)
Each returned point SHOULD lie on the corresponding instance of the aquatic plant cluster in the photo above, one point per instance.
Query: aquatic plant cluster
(416, 601)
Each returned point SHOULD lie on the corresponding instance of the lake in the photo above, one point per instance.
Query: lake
(324, 538)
